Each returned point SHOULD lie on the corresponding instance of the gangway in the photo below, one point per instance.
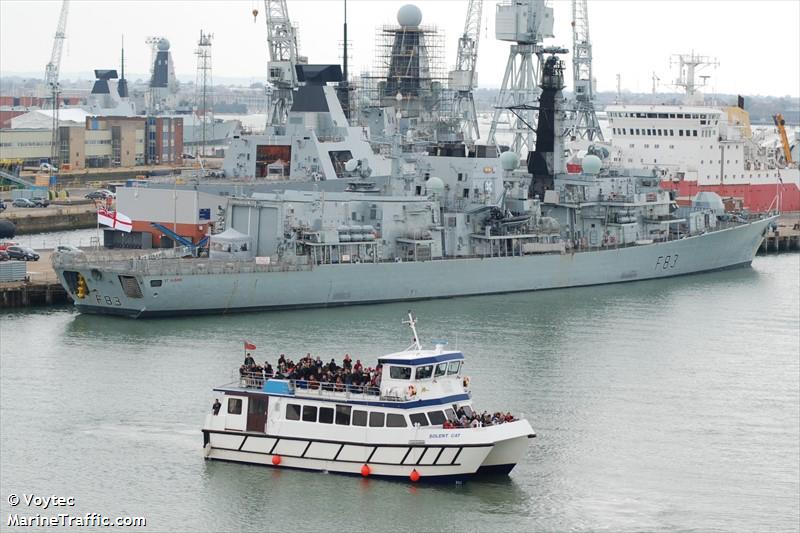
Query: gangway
(16, 179)
(183, 241)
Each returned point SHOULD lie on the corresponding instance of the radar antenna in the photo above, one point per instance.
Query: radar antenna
(412, 323)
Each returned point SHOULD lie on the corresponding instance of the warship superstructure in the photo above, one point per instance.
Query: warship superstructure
(418, 236)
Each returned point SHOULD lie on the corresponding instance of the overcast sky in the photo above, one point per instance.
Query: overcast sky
(756, 42)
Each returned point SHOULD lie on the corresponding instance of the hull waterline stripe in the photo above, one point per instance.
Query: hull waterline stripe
(312, 459)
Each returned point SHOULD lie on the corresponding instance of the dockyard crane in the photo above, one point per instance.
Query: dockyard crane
(283, 57)
(585, 125)
(51, 76)
(463, 79)
(780, 123)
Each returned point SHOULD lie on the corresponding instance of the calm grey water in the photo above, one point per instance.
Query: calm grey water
(665, 406)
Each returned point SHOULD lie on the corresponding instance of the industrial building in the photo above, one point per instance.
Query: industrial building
(87, 141)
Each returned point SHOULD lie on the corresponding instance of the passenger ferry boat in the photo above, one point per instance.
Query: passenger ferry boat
(401, 429)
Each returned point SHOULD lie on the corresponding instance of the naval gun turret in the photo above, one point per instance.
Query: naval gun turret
(545, 160)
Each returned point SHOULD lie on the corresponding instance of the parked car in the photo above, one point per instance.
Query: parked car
(4, 255)
(68, 249)
(6, 244)
(100, 194)
(3, 206)
(23, 202)
(47, 167)
(40, 201)
(22, 253)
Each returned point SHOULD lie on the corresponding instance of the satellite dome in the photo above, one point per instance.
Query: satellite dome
(163, 45)
(591, 164)
(409, 15)
(435, 186)
(509, 160)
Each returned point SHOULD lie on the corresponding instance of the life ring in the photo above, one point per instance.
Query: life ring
(466, 382)
(412, 391)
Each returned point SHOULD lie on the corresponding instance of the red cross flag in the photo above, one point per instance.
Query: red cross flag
(114, 219)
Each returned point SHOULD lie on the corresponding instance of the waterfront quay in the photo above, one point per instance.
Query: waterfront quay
(40, 288)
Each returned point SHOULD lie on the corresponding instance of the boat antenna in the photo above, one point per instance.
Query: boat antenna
(412, 323)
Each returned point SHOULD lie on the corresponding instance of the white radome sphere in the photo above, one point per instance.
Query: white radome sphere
(435, 186)
(163, 45)
(409, 15)
(591, 164)
(509, 160)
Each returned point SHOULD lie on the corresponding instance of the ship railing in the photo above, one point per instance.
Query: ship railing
(318, 389)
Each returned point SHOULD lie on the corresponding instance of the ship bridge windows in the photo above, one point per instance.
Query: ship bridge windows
(343, 415)
(424, 372)
(453, 367)
(441, 370)
(400, 372)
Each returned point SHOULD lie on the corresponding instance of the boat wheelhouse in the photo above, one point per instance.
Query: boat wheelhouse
(417, 423)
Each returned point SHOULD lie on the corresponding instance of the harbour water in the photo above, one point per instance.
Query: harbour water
(669, 405)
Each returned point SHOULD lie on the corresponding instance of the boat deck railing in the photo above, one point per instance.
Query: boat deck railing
(316, 389)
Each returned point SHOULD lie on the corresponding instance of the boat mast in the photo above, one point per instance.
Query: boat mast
(412, 323)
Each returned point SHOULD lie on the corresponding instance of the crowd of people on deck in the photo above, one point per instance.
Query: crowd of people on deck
(314, 373)
(475, 420)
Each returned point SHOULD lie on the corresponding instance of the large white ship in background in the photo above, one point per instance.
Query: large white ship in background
(695, 148)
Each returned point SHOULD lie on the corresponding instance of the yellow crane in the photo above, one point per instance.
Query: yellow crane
(781, 125)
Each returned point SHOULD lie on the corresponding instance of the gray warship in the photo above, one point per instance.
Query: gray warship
(416, 236)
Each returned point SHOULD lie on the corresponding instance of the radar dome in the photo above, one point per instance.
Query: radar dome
(591, 164)
(163, 45)
(409, 15)
(435, 186)
(509, 160)
(351, 165)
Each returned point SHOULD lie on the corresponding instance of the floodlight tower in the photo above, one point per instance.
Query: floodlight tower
(586, 125)
(464, 79)
(525, 23)
(283, 57)
(204, 98)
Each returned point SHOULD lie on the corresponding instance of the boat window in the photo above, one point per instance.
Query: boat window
(441, 370)
(155, 282)
(256, 406)
(454, 367)
(326, 415)
(375, 419)
(395, 421)
(424, 372)
(400, 372)
(309, 413)
(437, 417)
(418, 418)
(450, 414)
(234, 406)
(343, 415)
(468, 411)
(359, 418)
(292, 411)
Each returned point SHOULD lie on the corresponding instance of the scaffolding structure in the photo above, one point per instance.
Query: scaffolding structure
(203, 95)
(411, 77)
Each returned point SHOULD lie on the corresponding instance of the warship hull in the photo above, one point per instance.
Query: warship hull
(189, 292)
